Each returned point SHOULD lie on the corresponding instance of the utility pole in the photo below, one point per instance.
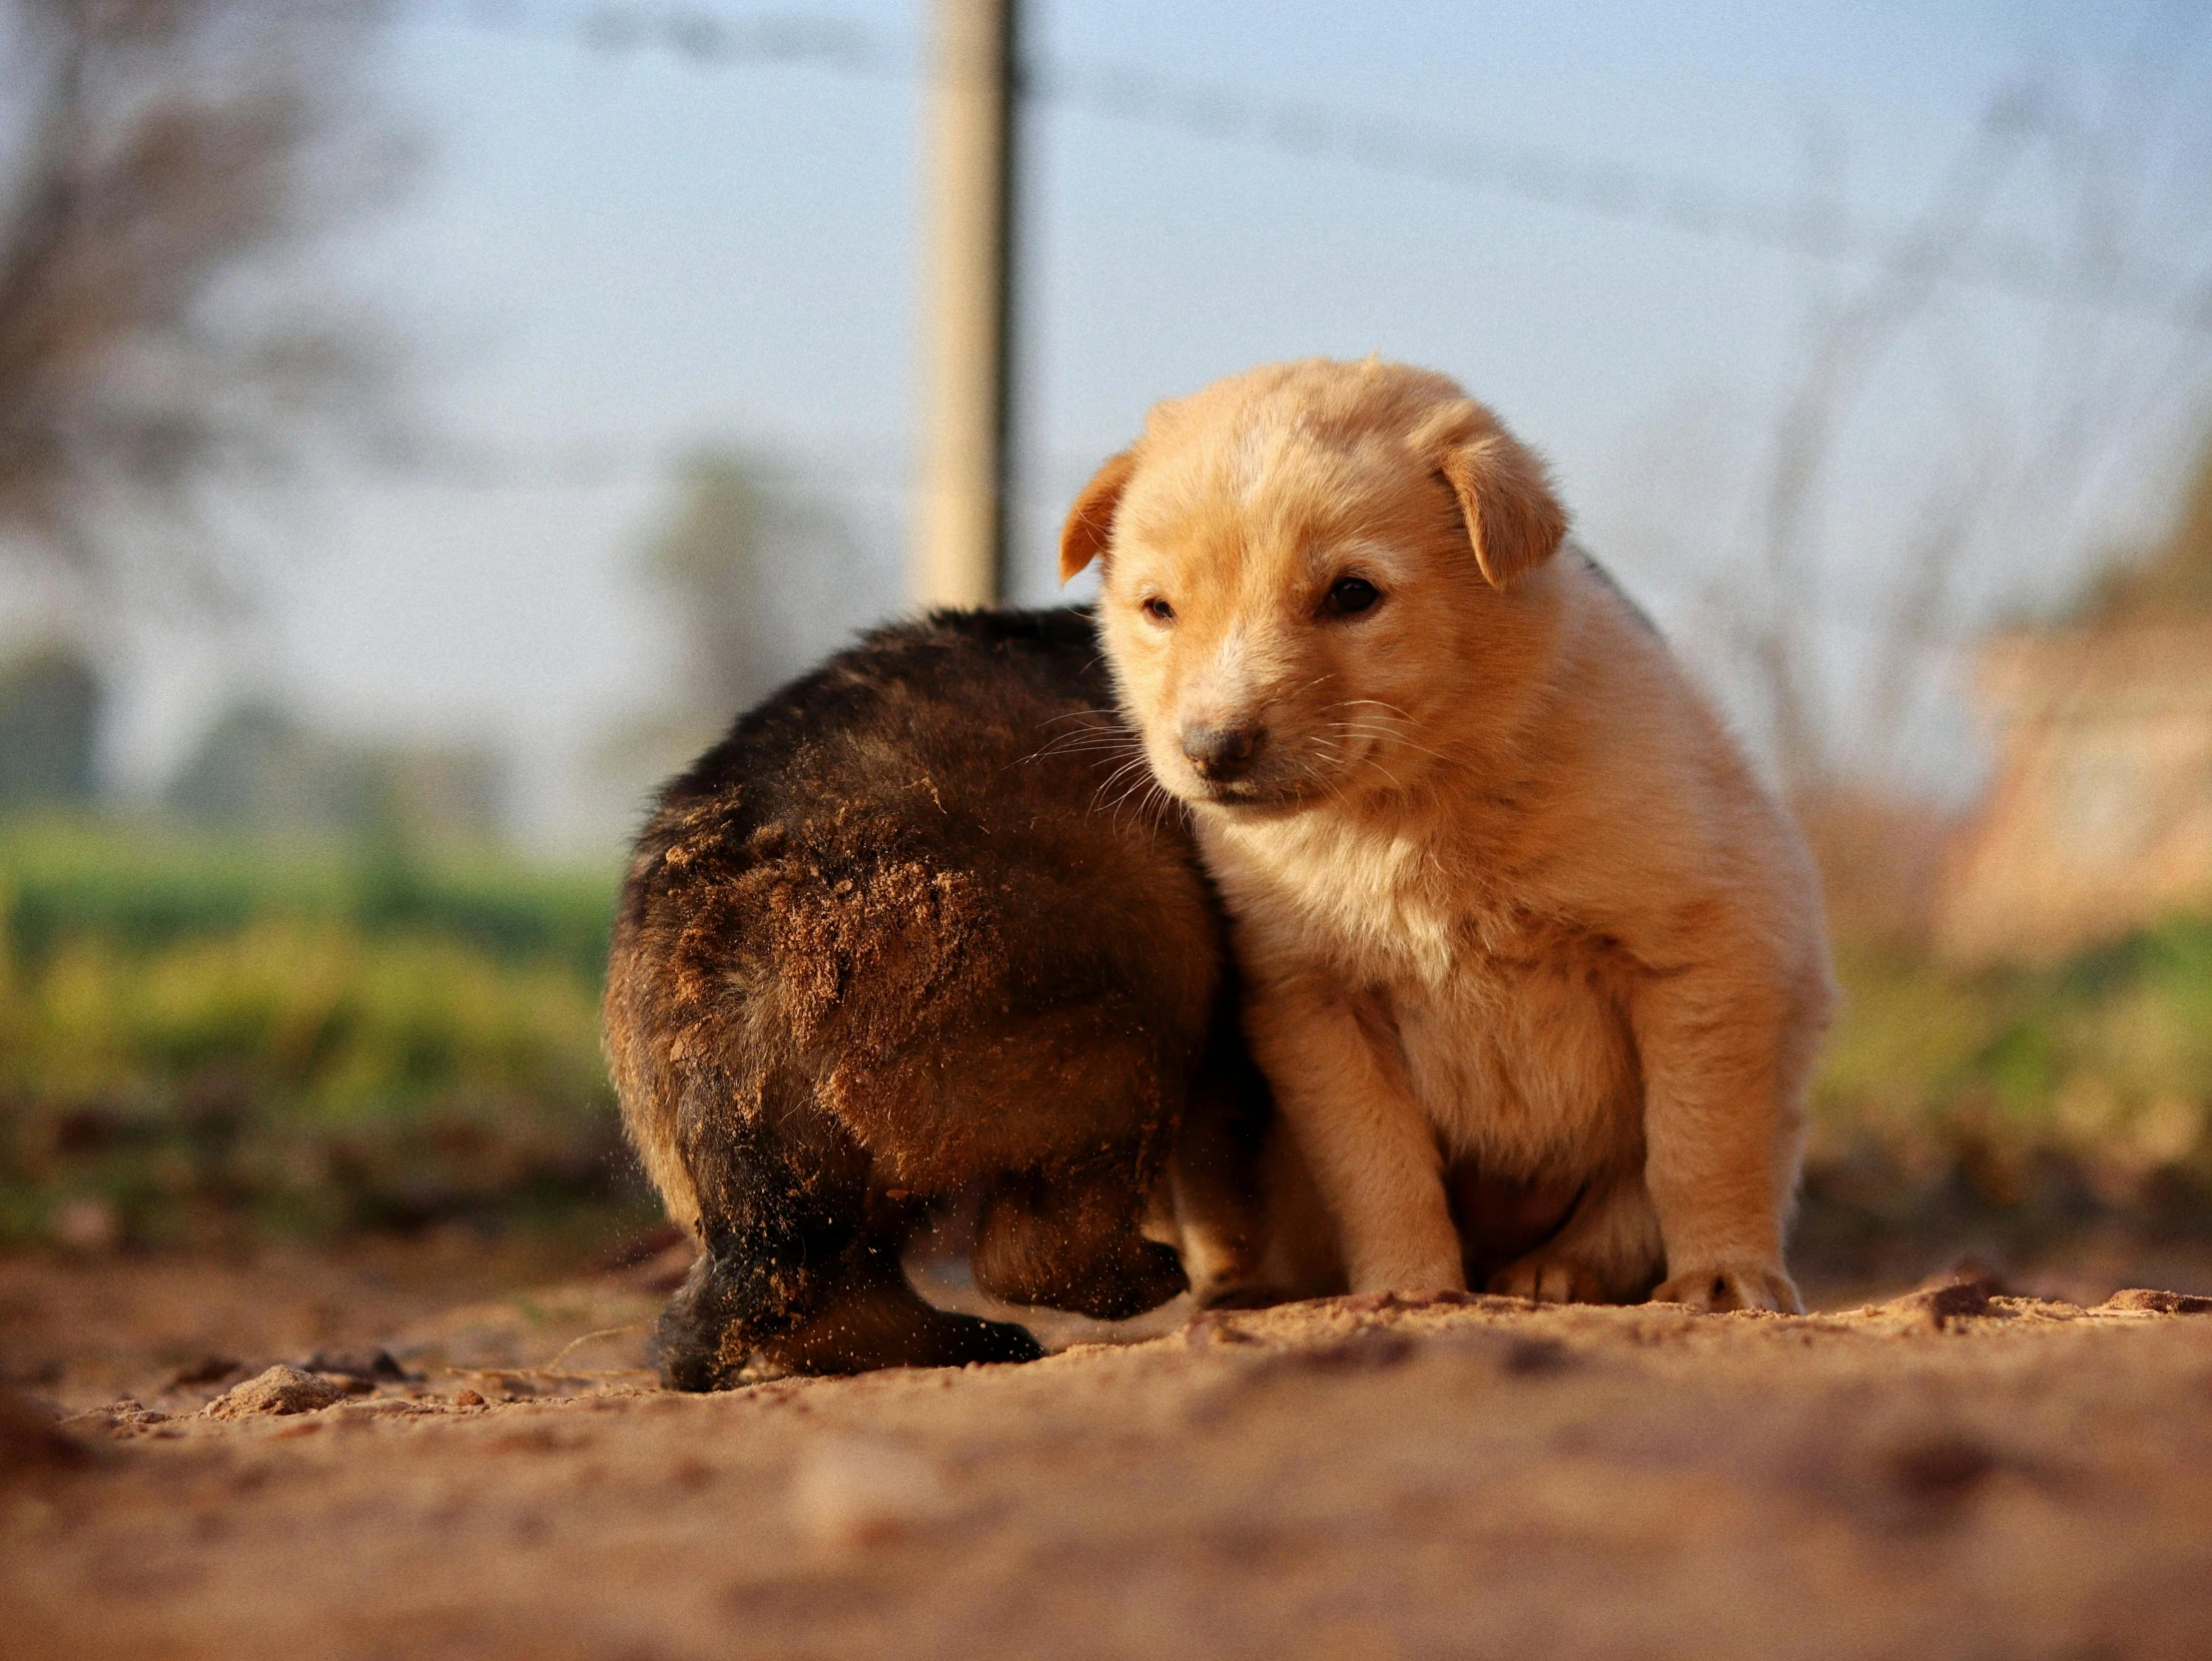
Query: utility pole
(960, 529)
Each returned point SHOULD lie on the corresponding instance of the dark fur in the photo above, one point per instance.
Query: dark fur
(894, 937)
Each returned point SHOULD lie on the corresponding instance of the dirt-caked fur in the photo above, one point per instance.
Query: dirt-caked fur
(899, 935)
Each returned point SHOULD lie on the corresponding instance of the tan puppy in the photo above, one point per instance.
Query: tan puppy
(1522, 931)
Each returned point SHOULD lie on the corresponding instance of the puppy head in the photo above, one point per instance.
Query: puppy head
(1321, 579)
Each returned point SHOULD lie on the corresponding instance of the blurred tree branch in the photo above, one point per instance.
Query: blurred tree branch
(1777, 640)
(742, 559)
(157, 158)
(2003, 489)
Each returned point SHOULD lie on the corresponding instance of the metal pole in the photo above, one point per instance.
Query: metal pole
(960, 527)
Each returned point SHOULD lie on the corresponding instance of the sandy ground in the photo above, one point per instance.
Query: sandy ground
(1948, 1475)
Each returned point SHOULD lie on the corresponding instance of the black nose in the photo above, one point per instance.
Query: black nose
(1221, 753)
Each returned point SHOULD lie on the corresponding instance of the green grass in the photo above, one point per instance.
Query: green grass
(2111, 1054)
(2035, 1100)
(147, 886)
(200, 1034)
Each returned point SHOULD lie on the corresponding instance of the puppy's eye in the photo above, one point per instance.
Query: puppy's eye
(1158, 610)
(1352, 594)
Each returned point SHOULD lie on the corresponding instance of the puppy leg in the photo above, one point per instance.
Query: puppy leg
(794, 1268)
(1609, 1251)
(1301, 1258)
(769, 1234)
(852, 1314)
(1722, 1123)
(713, 1304)
(1071, 1240)
(1331, 1058)
(1216, 1179)
(868, 1318)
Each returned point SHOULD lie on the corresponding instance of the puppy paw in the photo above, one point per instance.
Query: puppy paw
(965, 1338)
(1722, 1287)
(1238, 1295)
(849, 1341)
(1543, 1278)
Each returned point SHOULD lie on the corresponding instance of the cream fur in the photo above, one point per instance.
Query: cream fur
(1505, 894)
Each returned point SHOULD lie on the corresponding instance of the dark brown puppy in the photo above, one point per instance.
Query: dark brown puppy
(891, 938)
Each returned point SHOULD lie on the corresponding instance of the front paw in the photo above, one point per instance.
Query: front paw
(1543, 1278)
(1238, 1295)
(1720, 1286)
(961, 1341)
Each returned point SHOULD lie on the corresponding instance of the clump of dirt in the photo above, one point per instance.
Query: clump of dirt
(280, 1391)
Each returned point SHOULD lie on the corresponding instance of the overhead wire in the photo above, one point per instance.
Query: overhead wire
(1386, 143)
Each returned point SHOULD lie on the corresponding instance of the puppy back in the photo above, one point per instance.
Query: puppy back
(900, 864)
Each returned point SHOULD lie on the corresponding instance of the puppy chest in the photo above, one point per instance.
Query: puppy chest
(1524, 1063)
(1373, 912)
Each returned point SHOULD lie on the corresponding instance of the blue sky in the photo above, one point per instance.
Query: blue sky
(611, 257)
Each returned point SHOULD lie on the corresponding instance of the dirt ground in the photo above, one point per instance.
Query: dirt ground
(1950, 1474)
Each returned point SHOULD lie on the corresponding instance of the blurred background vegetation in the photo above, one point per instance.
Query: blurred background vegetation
(202, 1035)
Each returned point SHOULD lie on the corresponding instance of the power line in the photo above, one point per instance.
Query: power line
(687, 32)
(1312, 130)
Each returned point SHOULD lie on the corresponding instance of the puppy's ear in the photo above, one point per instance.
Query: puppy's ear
(1504, 492)
(1089, 523)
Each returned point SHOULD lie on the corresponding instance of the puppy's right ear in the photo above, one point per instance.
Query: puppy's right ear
(1089, 526)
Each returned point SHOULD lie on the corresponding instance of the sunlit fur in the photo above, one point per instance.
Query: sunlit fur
(1507, 898)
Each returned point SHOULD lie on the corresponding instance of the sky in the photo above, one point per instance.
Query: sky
(612, 257)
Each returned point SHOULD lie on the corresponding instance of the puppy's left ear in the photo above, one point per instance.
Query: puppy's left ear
(1089, 526)
(1504, 491)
